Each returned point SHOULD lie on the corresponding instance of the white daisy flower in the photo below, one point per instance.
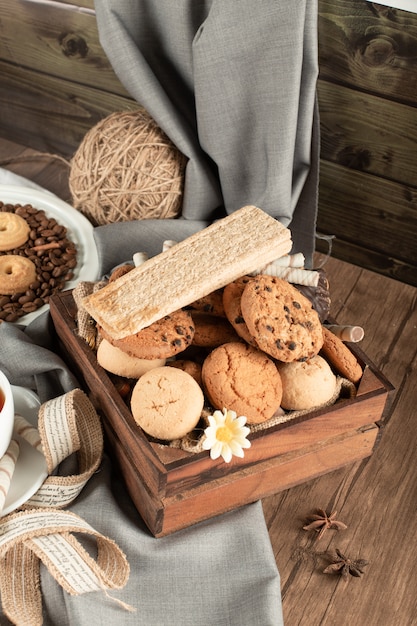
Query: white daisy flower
(226, 435)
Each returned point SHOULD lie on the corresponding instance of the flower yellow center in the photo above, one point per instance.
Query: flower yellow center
(224, 434)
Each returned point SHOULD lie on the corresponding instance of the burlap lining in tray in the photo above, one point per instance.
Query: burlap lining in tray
(193, 442)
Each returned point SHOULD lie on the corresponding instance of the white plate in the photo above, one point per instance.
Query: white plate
(30, 470)
(80, 231)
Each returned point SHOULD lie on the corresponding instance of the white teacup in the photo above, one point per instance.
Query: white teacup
(6, 413)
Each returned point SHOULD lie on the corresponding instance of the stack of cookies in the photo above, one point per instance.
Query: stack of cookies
(257, 347)
(253, 343)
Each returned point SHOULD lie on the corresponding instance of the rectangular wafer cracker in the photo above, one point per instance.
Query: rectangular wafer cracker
(206, 261)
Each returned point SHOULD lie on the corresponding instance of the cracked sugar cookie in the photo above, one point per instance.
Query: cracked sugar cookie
(241, 378)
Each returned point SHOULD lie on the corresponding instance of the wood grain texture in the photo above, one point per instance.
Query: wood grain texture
(364, 45)
(367, 97)
(375, 497)
(51, 114)
(368, 133)
(60, 41)
(87, 4)
(368, 495)
(375, 216)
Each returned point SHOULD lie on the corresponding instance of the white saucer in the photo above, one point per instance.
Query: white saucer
(80, 231)
(30, 470)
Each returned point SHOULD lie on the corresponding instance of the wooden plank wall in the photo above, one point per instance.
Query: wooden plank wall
(56, 83)
(368, 98)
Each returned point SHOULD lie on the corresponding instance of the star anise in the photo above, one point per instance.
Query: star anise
(321, 522)
(343, 565)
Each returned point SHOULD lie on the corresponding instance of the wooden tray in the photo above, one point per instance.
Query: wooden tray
(172, 489)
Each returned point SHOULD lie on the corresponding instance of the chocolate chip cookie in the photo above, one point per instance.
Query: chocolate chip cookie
(162, 339)
(232, 294)
(281, 320)
(211, 331)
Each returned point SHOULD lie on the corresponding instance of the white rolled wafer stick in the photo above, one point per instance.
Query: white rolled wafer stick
(26, 430)
(295, 275)
(352, 334)
(139, 258)
(168, 243)
(290, 260)
(7, 466)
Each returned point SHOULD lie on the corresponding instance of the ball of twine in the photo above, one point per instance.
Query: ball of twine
(125, 169)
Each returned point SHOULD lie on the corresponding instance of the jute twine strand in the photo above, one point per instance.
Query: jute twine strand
(29, 537)
(125, 169)
(40, 531)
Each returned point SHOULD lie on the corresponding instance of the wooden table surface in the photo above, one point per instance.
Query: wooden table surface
(376, 498)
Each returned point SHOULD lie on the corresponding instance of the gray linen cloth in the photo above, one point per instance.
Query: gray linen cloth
(219, 572)
(233, 84)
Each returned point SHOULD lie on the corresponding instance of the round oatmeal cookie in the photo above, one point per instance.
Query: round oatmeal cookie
(191, 367)
(211, 331)
(120, 271)
(212, 303)
(241, 378)
(340, 357)
(122, 364)
(306, 384)
(281, 320)
(161, 340)
(231, 302)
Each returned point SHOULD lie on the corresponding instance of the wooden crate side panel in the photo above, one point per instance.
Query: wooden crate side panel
(60, 41)
(370, 47)
(147, 501)
(299, 436)
(368, 133)
(104, 396)
(275, 476)
(51, 114)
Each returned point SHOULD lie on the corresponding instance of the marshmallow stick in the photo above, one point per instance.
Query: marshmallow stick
(295, 275)
(31, 434)
(7, 467)
(352, 334)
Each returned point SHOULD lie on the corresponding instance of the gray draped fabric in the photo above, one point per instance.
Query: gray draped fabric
(219, 572)
(233, 84)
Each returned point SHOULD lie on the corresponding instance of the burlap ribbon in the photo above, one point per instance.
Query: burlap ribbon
(41, 531)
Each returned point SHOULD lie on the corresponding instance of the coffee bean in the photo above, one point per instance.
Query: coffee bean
(55, 262)
(12, 317)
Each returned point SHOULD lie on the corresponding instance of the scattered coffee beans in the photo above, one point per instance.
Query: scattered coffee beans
(53, 254)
